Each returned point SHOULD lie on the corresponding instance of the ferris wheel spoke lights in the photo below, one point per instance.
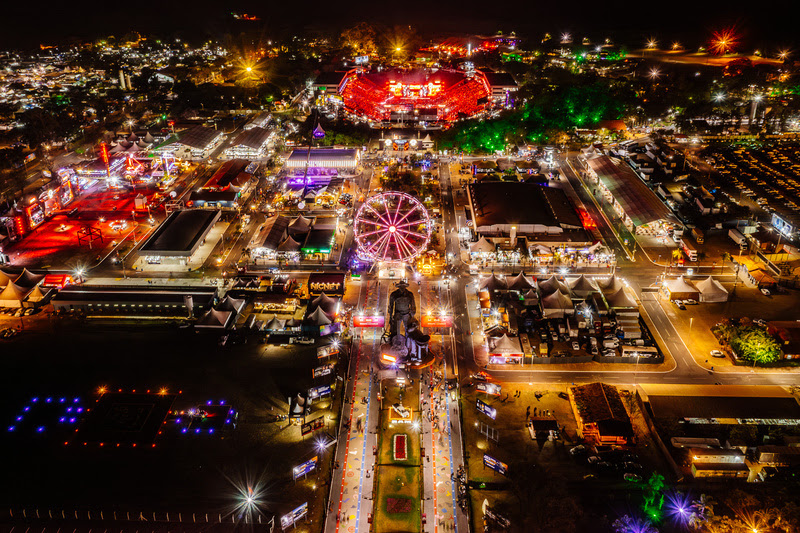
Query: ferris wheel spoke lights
(400, 222)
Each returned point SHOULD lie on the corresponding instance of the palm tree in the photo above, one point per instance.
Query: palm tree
(632, 524)
(702, 510)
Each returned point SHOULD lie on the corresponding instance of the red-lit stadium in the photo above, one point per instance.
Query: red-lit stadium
(417, 95)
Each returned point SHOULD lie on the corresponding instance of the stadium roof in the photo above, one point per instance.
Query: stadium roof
(198, 137)
(709, 407)
(636, 199)
(514, 203)
(253, 138)
(500, 79)
(181, 234)
(323, 154)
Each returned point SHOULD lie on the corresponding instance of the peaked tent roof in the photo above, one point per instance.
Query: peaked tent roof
(318, 317)
(289, 245)
(323, 299)
(520, 282)
(506, 346)
(581, 285)
(494, 283)
(231, 304)
(611, 284)
(300, 224)
(481, 246)
(711, 286)
(293, 323)
(680, 285)
(14, 291)
(35, 295)
(214, 318)
(620, 299)
(275, 324)
(557, 300)
(552, 285)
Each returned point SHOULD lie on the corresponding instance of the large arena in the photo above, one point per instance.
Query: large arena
(416, 95)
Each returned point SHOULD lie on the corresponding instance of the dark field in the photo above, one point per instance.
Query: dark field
(183, 472)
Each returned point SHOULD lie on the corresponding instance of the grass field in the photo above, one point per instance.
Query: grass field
(398, 479)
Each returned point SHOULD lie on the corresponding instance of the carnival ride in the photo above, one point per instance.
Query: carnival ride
(392, 226)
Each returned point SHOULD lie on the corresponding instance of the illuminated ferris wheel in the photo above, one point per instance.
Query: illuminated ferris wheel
(392, 226)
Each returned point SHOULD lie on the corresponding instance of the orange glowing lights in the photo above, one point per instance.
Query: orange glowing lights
(724, 41)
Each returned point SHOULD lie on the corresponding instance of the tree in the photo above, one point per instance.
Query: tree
(360, 39)
(653, 496)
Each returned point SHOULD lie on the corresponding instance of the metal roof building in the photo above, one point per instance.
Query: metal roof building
(631, 198)
(181, 234)
(339, 158)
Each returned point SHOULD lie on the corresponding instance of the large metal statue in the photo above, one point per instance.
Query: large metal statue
(412, 343)
(402, 308)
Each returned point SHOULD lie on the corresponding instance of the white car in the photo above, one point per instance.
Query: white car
(765, 292)
(717, 353)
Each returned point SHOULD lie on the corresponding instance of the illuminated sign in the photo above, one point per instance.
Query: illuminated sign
(486, 409)
(361, 60)
(433, 321)
(328, 329)
(498, 466)
(489, 388)
(305, 468)
(417, 90)
(388, 358)
(323, 370)
(312, 426)
(327, 351)
(288, 520)
(317, 392)
(374, 321)
(330, 284)
(104, 152)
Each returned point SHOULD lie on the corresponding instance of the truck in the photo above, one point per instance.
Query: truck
(698, 235)
(737, 237)
(689, 250)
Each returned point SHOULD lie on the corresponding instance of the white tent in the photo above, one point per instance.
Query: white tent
(300, 224)
(520, 282)
(681, 289)
(506, 346)
(13, 295)
(581, 286)
(318, 318)
(620, 300)
(557, 305)
(610, 285)
(552, 285)
(214, 319)
(712, 290)
(494, 283)
(275, 324)
(5, 278)
(481, 246)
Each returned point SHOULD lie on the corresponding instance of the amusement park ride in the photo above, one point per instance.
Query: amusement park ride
(392, 229)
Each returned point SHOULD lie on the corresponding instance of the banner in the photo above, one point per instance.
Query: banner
(305, 468)
(317, 392)
(327, 329)
(312, 426)
(489, 388)
(494, 464)
(486, 409)
(373, 321)
(433, 321)
(323, 370)
(288, 520)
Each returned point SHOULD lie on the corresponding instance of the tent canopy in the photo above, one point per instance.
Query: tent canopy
(620, 299)
(482, 246)
(552, 285)
(520, 282)
(214, 319)
(13, 295)
(506, 346)
(27, 278)
(275, 324)
(712, 290)
(581, 285)
(610, 285)
(494, 283)
(318, 318)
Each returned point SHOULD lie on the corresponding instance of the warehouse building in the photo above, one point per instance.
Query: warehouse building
(251, 144)
(179, 237)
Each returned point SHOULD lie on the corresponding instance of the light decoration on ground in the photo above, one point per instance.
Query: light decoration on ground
(392, 226)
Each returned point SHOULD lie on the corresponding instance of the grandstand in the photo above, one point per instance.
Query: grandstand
(415, 95)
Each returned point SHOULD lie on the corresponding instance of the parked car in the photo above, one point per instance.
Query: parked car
(717, 353)
(575, 345)
(680, 305)
(765, 292)
(578, 450)
(301, 340)
(690, 301)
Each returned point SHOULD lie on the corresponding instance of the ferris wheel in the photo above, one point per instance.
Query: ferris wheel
(392, 226)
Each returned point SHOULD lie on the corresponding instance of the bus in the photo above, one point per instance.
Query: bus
(689, 250)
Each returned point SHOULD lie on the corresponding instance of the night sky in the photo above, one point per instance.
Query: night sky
(691, 21)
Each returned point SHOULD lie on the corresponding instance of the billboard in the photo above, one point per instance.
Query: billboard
(498, 466)
(489, 388)
(323, 370)
(361, 60)
(486, 409)
(374, 321)
(312, 426)
(305, 468)
(317, 392)
(433, 321)
(327, 351)
(328, 329)
(331, 284)
(288, 520)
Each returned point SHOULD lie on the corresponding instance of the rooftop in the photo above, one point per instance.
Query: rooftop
(515, 203)
(181, 233)
(198, 137)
